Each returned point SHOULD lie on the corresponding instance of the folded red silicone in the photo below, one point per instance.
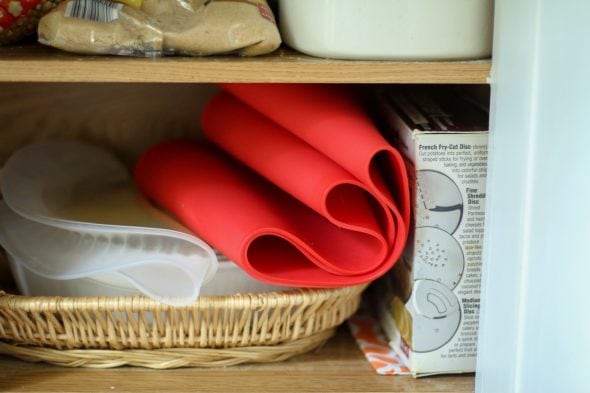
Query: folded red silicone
(306, 194)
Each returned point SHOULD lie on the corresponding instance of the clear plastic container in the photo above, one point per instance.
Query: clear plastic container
(71, 212)
(229, 279)
(389, 29)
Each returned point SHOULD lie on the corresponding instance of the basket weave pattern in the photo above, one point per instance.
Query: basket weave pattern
(214, 331)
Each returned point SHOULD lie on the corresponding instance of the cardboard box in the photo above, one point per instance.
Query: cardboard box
(431, 308)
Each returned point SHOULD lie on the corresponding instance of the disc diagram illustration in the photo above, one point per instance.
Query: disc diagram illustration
(438, 261)
(439, 201)
(438, 256)
(436, 314)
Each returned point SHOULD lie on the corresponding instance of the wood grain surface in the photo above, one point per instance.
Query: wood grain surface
(131, 116)
(126, 118)
(337, 367)
(35, 63)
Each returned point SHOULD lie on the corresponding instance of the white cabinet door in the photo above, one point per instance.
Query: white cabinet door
(535, 316)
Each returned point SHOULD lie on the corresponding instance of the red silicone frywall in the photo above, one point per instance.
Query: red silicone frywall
(286, 210)
(271, 235)
(332, 121)
(295, 167)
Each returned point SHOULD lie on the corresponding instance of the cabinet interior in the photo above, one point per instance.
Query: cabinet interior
(127, 118)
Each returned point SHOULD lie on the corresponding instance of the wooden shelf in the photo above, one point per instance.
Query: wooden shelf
(95, 109)
(337, 367)
(35, 63)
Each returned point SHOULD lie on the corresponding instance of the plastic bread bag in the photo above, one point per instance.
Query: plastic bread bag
(100, 27)
(162, 27)
(201, 27)
(19, 18)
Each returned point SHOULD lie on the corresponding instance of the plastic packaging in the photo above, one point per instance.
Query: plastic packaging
(71, 212)
(389, 29)
(100, 27)
(161, 27)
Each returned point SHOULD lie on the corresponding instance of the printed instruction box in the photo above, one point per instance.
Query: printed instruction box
(430, 310)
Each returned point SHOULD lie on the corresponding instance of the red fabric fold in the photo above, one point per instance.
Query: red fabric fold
(290, 208)
(333, 122)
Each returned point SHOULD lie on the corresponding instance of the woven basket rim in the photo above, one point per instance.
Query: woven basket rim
(168, 358)
(289, 297)
(222, 330)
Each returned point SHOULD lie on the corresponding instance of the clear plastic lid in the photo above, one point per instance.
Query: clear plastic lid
(71, 211)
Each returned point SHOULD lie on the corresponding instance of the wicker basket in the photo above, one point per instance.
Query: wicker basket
(104, 332)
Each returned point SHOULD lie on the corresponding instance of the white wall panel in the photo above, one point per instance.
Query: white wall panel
(535, 326)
